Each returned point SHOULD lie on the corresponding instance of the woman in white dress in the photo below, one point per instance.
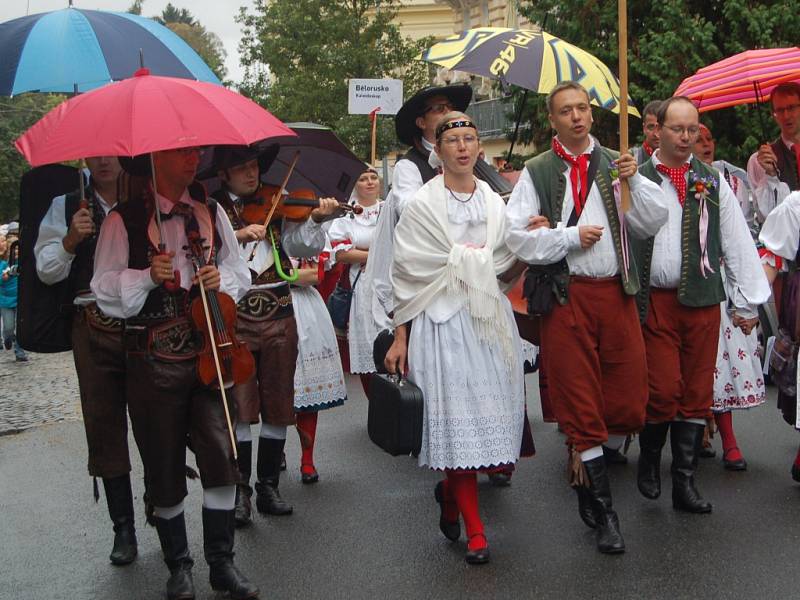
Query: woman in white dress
(318, 379)
(351, 237)
(464, 350)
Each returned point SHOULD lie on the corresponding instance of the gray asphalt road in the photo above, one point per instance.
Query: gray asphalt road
(369, 528)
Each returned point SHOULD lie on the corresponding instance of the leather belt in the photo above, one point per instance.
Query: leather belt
(266, 304)
(174, 340)
(100, 321)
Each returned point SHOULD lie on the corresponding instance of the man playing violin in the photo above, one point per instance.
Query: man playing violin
(151, 286)
(265, 320)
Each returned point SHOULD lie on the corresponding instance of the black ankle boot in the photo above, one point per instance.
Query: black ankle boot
(218, 534)
(120, 508)
(244, 509)
(609, 538)
(651, 441)
(268, 467)
(172, 535)
(686, 439)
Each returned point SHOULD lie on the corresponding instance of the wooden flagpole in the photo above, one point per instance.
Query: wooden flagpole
(622, 29)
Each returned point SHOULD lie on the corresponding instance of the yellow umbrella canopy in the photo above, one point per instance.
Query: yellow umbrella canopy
(530, 58)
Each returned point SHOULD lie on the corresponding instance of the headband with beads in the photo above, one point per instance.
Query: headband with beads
(452, 125)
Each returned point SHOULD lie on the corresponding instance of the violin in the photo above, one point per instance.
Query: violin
(223, 358)
(297, 206)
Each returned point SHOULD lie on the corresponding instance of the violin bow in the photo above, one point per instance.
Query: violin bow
(275, 199)
(214, 353)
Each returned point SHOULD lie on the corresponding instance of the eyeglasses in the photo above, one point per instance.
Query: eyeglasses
(692, 131)
(650, 126)
(454, 140)
(792, 108)
(438, 109)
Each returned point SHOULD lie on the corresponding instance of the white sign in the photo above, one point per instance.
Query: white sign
(365, 95)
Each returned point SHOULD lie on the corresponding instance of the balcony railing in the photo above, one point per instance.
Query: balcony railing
(491, 117)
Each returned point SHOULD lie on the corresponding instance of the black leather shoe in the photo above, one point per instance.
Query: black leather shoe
(120, 508)
(218, 536)
(740, 464)
(500, 479)
(172, 535)
(608, 536)
(585, 508)
(312, 477)
(796, 473)
(479, 556)
(686, 440)
(614, 456)
(450, 529)
(268, 499)
(651, 441)
(243, 512)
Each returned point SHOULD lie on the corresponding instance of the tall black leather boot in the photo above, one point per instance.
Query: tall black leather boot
(586, 506)
(609, 538)
(120, 508)
(218, 534)
(172, 535)
(244, 508)
(686, 439)
(268, 468)
(651, 441)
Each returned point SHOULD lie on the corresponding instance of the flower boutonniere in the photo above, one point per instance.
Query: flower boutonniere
(613, 171)
(701, 186)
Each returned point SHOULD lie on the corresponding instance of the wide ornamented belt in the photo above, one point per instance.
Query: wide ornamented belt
(266, 305)
(102, 322)
(174, 340)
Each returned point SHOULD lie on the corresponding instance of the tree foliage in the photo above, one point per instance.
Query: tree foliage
(299, 54)
(668, 41)
(16, 116)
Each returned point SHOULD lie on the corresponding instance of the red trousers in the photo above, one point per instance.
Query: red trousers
(681, 346)
(595, 364)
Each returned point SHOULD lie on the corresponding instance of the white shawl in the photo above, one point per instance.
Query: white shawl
(427, 262)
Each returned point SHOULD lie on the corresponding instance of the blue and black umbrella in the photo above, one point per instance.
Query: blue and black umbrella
(78, 50)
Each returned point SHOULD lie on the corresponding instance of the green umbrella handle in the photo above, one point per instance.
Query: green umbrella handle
(277, 258)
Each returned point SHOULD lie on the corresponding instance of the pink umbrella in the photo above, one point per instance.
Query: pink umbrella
(145, 114)
(745, 78)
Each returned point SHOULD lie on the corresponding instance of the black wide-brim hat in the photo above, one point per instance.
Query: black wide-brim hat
(404, 122)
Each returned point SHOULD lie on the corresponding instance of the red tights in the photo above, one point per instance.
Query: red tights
(307, 428)
(730, 448)
(463, 488)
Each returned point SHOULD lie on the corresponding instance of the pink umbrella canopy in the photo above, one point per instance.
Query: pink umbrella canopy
(745, 78)
(145, 114)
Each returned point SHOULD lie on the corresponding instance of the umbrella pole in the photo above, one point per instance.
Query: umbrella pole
(759, 100)
(161, 246)
(516, 125)
(622, 9)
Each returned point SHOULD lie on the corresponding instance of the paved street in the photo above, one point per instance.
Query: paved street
(369, 528)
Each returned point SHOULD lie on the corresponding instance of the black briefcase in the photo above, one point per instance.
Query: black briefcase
(394, 421)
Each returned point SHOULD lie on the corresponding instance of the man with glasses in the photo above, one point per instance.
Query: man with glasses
(773, 170)
(581, 283)
(682, 288)
(650, 129)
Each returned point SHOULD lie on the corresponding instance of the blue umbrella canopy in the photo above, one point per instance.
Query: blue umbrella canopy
(72, 49)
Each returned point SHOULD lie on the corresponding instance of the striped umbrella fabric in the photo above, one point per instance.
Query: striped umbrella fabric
(745, 78)
(78, 50)
(530, 58)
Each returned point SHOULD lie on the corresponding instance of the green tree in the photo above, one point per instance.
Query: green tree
(668, 41)
(17, 115)
(299, 54)
(181, 21)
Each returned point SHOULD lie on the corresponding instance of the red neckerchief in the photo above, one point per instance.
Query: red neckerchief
(648, 148)
(578, 174)
(677, 177)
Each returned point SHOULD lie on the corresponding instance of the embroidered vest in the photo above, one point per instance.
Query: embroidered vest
(546, 171)
(270, 275)
(82, 268)
(161, 304)
(693, 289)
(787, 165)
(420, 159)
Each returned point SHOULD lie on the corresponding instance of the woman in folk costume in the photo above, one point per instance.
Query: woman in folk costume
(463, 350)
(318, 379)
(738, 377)
(351, 237)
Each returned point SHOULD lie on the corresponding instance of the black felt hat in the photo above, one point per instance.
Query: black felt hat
(405, 121)
(136, 165)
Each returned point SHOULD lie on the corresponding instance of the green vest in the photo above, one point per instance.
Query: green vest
(693, 289)
(546, 170)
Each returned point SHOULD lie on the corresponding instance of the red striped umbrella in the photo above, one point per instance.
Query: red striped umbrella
(745, 78)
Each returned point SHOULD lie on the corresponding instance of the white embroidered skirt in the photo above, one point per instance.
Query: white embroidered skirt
(318, 380)
(474, 405)
(738, 377)
(361, 330)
